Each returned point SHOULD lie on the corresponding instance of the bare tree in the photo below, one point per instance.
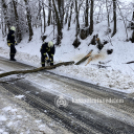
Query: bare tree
(49, 13)
(132, 25)
(91, 17)
(114, 17)
(67, 9)
(2, 23)
(18, 31)
(44, 17)
(59, 13)
(86, 13)
(107, 14)
(29, 20)
(77, 18)
(4, 10)
(70, 16)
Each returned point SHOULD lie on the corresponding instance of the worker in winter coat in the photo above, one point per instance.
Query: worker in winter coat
(11, 42)
(47, 53)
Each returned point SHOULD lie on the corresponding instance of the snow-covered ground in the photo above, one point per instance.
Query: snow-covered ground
(117, 76)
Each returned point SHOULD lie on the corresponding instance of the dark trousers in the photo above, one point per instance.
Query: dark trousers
(43, 58)
(12, 52)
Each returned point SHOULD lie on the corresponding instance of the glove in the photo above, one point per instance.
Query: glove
(16, 43)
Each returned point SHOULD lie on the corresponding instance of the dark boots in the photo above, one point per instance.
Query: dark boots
(43, 65)
(12, 52)
(12, 57)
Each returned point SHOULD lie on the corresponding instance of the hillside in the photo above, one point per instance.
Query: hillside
(116, 75)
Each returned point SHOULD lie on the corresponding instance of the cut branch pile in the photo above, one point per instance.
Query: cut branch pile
(36, 69)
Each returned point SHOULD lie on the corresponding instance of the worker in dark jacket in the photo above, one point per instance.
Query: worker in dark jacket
(11, 42)
(47, 53)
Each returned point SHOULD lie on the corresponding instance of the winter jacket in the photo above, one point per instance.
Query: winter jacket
(11, 38)
(47, 50)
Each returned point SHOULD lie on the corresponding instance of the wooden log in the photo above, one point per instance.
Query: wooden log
(100, 66)
(101, 62)
(88, 61)
(130, 62)
(36, 69)
(84, 58)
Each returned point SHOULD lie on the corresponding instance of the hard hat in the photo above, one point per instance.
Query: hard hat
(50, 44)
(12, 28)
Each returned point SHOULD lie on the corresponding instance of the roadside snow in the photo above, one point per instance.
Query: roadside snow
(117, 75)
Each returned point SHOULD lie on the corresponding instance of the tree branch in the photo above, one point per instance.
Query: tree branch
(36, 69)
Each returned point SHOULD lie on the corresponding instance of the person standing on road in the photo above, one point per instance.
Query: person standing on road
(47, 53)
(11, 42)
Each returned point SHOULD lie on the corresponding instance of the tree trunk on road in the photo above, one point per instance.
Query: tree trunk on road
(36, 70)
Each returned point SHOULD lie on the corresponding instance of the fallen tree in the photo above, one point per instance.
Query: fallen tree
(84, 58)
(129, 62)
(36, 69)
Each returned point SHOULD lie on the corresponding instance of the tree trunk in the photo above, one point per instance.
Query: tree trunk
(86, 13)
(18, 31)
(67, 10)
(77, 19)
(2, 23)
(44, 17)
(61, 10)
(107, 15)
(91, 17)
(49, 13)
(114, 17)
(36, 70)
(39, 18)
(70, 16)
(59, 19)
(39, 11)
(132, 37)
(29, 20)
(132, 23)
(84, 58)
(6, 20)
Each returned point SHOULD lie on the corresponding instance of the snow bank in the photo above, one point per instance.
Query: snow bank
(117, 76)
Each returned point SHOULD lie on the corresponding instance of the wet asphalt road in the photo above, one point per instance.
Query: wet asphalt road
(96, 118)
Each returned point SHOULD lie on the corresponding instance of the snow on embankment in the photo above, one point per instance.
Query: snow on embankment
(117, 75)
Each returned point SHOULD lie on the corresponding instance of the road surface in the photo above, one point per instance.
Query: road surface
(78, 107)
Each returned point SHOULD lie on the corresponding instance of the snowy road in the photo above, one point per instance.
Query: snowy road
(88, 109)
